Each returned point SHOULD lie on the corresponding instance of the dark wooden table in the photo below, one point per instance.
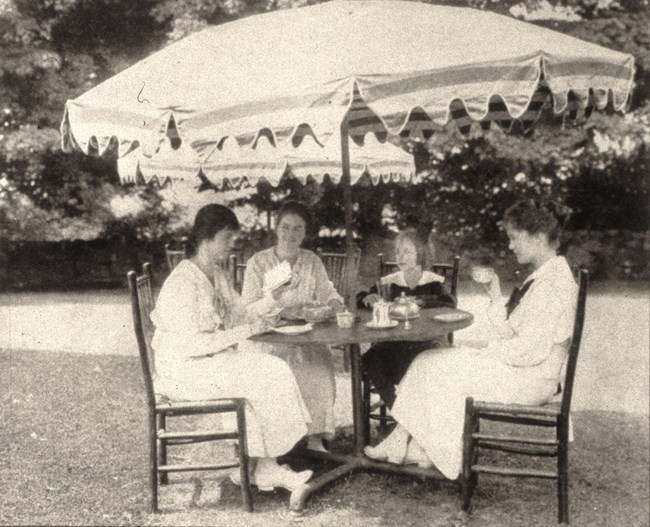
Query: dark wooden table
(423, 328)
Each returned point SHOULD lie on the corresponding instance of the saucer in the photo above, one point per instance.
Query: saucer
(372, 325)
(451, 317)
(293, 330)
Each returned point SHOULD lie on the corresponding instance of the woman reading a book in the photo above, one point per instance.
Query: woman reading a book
(202, 351)
(312, 365)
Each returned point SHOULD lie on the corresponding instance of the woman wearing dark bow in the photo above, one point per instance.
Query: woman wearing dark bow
(522, 366)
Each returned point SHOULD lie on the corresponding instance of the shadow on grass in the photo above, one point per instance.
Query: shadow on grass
(73, 451)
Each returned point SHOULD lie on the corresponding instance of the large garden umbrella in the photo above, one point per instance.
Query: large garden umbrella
(232, 166)
(345, 67)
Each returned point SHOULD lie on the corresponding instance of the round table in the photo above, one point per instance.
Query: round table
(423, 328)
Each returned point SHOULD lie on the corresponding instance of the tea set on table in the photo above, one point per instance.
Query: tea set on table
(385, 314)
(388, 314)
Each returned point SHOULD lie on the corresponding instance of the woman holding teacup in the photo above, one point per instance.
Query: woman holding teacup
(522, 366)
(312, 365)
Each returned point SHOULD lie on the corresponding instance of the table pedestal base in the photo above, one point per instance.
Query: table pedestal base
(350, 463)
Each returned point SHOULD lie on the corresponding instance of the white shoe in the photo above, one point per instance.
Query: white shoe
(376, 452)
(315, 443)
(391, 449)
(235, 477)
(269, 475)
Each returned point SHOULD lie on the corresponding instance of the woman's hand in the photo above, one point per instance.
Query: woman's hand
(280, 291)
(336, 305)
(259, 326)
(371, 299)
(493, 288)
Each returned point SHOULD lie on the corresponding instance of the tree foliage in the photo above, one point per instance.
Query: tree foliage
(52, 50)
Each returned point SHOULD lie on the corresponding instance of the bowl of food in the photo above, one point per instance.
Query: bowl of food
(317, 313)
(482, 274)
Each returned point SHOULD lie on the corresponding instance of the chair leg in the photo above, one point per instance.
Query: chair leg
(383, 424)
(366, 409)
(161, 423)
(153, 461)
(563, 474)
(346, 360)
(242, 451)
(469, 479)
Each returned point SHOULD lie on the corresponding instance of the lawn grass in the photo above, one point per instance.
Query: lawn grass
(73, 451)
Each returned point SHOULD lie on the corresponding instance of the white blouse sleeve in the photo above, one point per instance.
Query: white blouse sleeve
(497, 315)
(534, 328)
(255, 300)
(191, 324)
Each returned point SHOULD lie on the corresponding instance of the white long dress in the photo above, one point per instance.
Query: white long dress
(523, 366)
(313, 365)
(194, 318)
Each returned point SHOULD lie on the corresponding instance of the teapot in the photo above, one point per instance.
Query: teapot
(404, 307)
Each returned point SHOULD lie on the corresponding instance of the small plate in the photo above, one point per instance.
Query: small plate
(372, 325)
(451, 317)
(293, 330)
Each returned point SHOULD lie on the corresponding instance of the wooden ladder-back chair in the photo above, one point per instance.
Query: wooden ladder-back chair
(451, 273)
(554, 415)
(161, 409)
(237, 272)
(342, 269)
(174, 256)
(448, 270)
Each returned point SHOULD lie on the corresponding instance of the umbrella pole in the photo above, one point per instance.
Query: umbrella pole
(347, 190)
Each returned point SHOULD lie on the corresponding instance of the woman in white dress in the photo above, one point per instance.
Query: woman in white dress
(312, 365)
(201, 351)
(522, 366)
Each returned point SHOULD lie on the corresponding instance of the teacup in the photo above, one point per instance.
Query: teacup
(344, 319)
(481, 274)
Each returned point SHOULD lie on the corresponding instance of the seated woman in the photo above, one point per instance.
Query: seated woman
(312, 365)
(199, 314)
(522, 366)
(387, 362)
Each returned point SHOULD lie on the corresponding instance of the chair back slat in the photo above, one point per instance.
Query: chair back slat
(342, 269)
(237, 272)
(574, 348)
(142, 304)
(175, 256)
(449, 270)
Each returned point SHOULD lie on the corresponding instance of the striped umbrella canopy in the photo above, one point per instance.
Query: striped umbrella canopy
(349, 67)
(235, 167)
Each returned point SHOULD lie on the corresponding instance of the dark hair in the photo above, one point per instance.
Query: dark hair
(297, 208)
(411, 235)
(209, 220)
(535, 216)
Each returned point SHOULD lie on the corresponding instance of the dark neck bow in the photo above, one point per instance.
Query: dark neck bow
(516, 296)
